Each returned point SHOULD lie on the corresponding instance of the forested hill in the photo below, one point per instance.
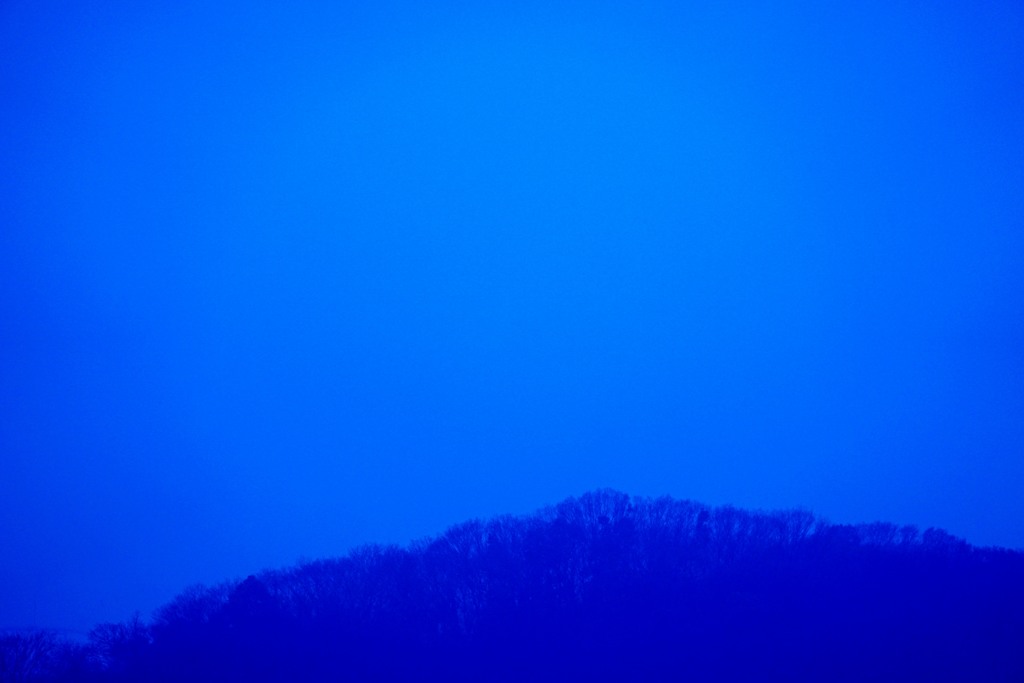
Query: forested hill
(604, 587)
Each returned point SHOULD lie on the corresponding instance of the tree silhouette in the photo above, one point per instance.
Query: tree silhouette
(601, 587)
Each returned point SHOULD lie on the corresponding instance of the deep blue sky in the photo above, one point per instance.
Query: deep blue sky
(276, 280)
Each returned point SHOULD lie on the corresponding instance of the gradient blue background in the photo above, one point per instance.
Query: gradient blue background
(279, 279)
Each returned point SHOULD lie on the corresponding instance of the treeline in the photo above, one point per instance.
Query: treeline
(605, 587)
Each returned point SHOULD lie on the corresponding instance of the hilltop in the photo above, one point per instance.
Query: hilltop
(601, 587)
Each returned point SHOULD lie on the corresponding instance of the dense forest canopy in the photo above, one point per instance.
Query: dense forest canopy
(600, 587)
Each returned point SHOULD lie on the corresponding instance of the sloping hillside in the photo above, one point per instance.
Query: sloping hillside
(601, 587)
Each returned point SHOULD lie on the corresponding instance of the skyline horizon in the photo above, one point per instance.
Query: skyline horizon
(80, 632)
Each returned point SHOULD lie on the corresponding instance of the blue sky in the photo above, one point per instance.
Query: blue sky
(279, 279)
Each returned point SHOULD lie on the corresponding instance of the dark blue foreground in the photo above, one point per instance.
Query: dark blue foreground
(600, 588)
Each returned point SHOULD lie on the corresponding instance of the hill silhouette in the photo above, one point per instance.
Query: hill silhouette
(604, 587)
